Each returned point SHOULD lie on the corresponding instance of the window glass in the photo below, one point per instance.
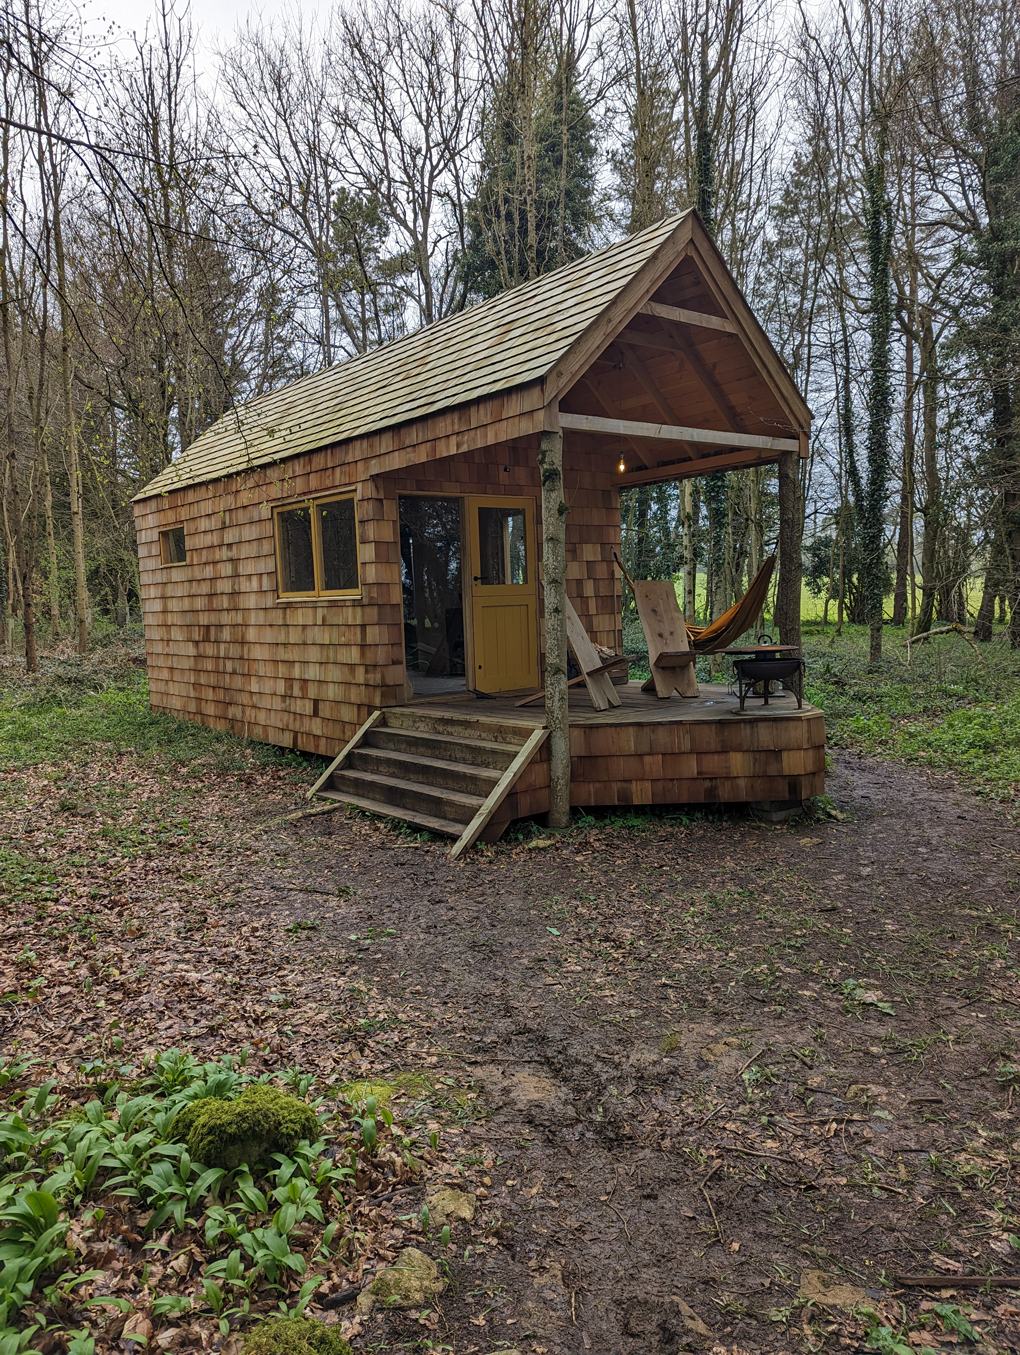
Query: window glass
(430, 567)
(297, 563)
(339, 527)
(172, 547)
(502, 546)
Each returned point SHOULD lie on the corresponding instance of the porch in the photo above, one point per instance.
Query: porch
(445, 762)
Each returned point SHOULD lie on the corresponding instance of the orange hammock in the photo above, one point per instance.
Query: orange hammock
(732, 624)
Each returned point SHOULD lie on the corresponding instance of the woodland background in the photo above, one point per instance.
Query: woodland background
(175, 241)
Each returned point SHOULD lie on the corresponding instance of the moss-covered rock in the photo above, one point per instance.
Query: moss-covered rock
(261, 1122)
(294, 1336)
(411, 1282)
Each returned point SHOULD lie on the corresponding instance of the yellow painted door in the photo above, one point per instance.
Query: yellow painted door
(504, 593)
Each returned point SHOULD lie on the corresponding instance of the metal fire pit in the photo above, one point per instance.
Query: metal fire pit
(752, 671)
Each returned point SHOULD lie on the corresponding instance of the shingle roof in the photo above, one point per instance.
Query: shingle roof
(515, 338)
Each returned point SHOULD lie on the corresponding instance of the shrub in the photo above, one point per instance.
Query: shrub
(261, 1122)
(295, 1336)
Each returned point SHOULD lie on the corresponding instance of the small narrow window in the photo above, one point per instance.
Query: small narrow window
(317, 548)
(172, 547)
(297, 558)
(339, 527)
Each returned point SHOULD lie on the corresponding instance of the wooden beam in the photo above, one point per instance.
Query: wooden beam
(662, 432)
(345, 752)
(673, 340)
(685, 317)
(683, 470)
(596, 390)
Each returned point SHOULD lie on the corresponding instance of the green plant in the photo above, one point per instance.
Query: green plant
(955, 1322)
(13, 1069)
(856, 991)
(53, 1166)
(31, 1243)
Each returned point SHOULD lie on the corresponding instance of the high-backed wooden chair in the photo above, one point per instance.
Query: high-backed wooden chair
(594, 672)
(670, 655)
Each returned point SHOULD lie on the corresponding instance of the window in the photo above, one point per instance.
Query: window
(317, 548)
(502, 546)
(172, 547)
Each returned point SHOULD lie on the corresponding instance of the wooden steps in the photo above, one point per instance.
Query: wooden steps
(449, 775)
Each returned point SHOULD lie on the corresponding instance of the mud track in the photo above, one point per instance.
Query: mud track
(716, 1058)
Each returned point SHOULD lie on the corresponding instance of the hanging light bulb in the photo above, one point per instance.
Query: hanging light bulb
(622, 466)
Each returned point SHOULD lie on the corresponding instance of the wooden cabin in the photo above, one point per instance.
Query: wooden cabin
(364, 544)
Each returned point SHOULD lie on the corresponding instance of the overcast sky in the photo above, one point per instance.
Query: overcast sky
(214, 20)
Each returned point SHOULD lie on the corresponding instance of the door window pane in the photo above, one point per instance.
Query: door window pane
(502, 546)
(339, 527)
(297, 563)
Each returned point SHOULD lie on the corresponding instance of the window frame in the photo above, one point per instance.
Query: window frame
(317, 562)
(164, 537)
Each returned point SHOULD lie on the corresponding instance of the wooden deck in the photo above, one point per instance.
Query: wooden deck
(652, 752)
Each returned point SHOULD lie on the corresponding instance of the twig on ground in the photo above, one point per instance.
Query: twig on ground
(960, 1281)
(714, 1111)
(943, 630)
(757, 1055)
(708, 1201)
(621, 1218)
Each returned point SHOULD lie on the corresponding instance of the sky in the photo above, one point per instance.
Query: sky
(214, 20)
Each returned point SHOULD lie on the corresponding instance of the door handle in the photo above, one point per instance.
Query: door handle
(479, 578)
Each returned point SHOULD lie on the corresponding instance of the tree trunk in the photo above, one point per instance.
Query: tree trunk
(791, 527)
(932, 509)
(994, 577)
(554, 572)
(53, 566)
(879, 233)
(21, 572)
(904, 539)
(690, 550)
(81, 601)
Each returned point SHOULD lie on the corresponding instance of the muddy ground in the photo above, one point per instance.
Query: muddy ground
(715, 1083)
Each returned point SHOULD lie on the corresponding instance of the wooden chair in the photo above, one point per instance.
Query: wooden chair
(670, 656)
(594, 672)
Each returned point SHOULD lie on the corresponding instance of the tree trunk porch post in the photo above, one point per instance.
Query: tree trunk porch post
(554, 577)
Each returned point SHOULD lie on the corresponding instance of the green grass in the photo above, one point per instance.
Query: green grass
(949, 708)
(73, 708)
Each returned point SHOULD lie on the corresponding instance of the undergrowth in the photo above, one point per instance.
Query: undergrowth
(948, 708)
(74, 705)
(82, 1175)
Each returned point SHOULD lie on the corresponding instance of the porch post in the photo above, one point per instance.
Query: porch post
(790, 566)
(554, 577)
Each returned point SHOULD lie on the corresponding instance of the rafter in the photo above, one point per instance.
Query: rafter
(713, 388)
(647, 381)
